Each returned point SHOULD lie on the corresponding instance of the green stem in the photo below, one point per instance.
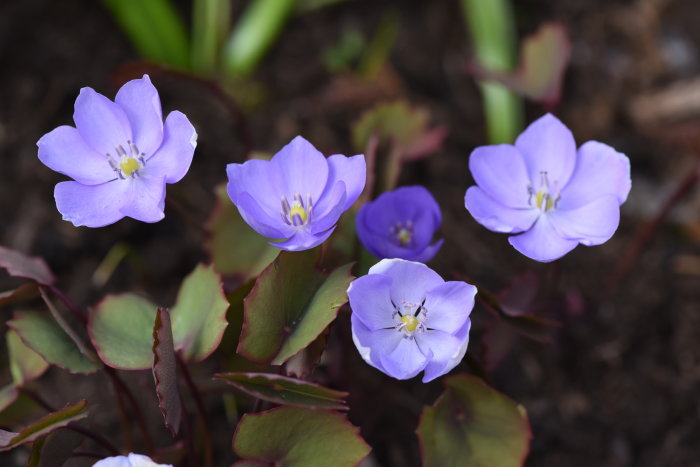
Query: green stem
(492, 29)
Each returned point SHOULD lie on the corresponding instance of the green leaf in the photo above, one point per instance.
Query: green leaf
(154, 28)
(42, 334)
(210, 23)
(254, 34)
(165, 372)
(290, 306)
(286, 391)
(20, 265)
(297, 437)
(69, 414)
(472, 424)
(303, 363)
(121, 328)
(235, 248)
(199, 316)
(25, 364)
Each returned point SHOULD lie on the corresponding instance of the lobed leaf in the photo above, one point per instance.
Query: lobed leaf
(234, 247)
(25, 364)
(41, 333)
(303, 363)
(121, 329)
(286, 391)
(472, 424)
(199, 315)
(20, 265)
(165, 371)
(290, 306)
(298, 437)
(49, 423)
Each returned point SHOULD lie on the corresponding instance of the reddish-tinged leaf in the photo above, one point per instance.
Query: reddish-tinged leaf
(69, 414)
(199, 315)
(20, 265)
(303, 363)
(165, 371)
(544, 57)
(516, 299)
(23, 293)
(286, 391)
(472, 424)
(290, 306)
(297, 437)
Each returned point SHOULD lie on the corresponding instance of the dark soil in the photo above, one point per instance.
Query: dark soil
(620, 382)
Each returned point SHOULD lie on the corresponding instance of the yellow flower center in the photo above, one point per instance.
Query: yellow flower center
(411, 323)
(404, 236)
(544, 199)
(299, 210)
(128, 165)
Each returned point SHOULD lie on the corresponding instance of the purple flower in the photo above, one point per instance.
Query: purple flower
(298, 195)
(406, 319)
(119, 154)
(132, 460)
(401, 224)
(558, 196)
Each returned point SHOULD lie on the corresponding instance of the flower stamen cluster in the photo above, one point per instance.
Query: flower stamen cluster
(298, 214)
(544, 201)
(129, 165)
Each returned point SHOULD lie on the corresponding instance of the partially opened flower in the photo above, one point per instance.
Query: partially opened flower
(407, 319)
(543, 188)
(119, 154)
(401, 224)
(132, 460)
(298, 195)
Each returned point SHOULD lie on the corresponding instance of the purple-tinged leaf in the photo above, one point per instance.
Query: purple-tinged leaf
(25, 292)
(298, 437)
(20, 265)
(121, 329)
(516, 299)
(290, 306)
(199, 315)
(165, 371)
(286, 391)
(41, 333)
(53, 421)
(25, 364)
(472, 424)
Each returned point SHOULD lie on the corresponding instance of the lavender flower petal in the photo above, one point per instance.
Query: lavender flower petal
(370, 301)
(303, 240)
(102, 123)
(304, 167)
(90, 205)
(350, 170)
(174, 156)
(145, 199)
(600, 170)
(443, 347)
(542, 242)
(547, 145)
(449, 305)
(259, 219)
(500, 171)
(65, 151)
(495, 216)
(590, 224)
(406, 361)
(435, 369)
(261, 180)
(410, 280)
(140, 102)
